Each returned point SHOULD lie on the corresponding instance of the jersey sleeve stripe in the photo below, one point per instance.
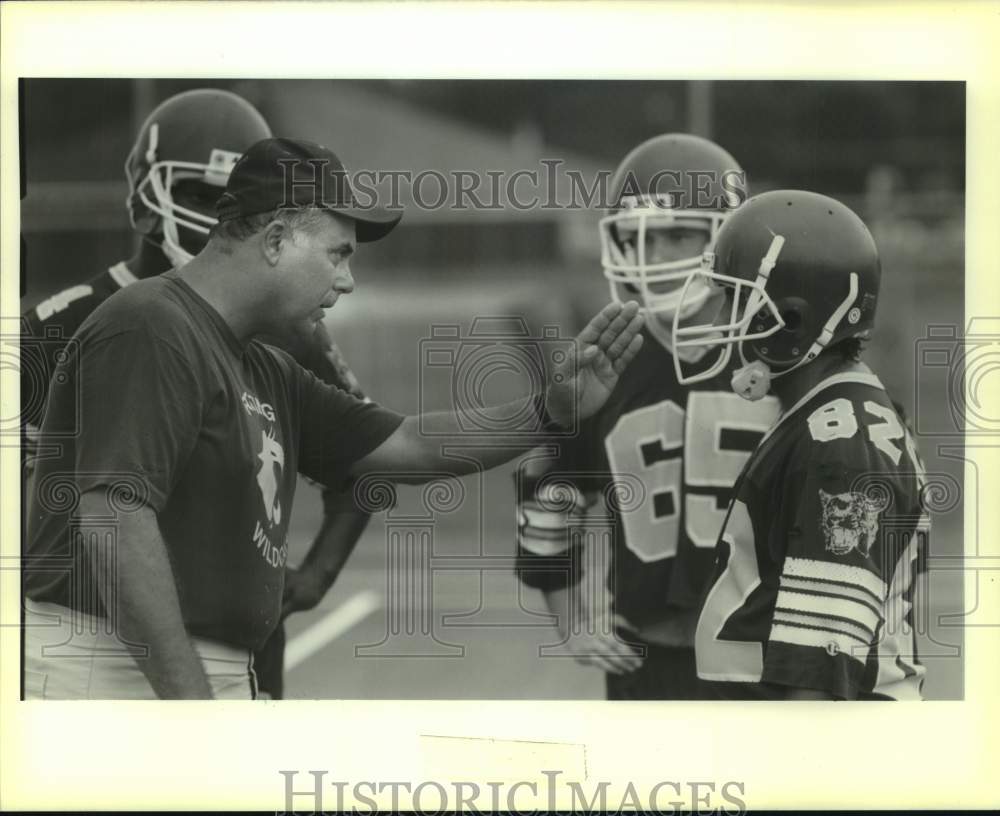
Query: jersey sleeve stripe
(834, 590)
(791, 617)
(544, 519)
(830, 607)
(826, 639)
(543, 534)
(837, 588)
(543, 547)
(828, 572)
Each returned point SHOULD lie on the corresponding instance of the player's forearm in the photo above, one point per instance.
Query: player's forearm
(520, 421)
(138, 590)
(557, 602)
(333, 545)
(514, 428)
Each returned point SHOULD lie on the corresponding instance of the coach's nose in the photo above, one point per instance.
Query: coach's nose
(343, 282)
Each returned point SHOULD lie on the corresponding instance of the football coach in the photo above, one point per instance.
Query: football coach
(156, 530)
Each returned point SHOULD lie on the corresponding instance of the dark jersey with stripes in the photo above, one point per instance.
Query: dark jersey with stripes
(656, 465)
(814, 577)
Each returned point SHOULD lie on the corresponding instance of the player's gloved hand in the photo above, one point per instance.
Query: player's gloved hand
(304, 589)
(592, 636)
(581, 384)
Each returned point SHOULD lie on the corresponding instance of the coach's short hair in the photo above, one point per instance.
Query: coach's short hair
(298, 218)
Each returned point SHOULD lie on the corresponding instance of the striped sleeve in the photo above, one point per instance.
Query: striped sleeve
(547, 507)
(827, 619)
(545, 516)
(834, 607)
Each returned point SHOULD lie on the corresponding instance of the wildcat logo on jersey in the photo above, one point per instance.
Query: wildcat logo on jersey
(850, 521)
(272, 460)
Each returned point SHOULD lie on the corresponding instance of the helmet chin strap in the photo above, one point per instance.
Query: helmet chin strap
(753, 380)
(171, 245)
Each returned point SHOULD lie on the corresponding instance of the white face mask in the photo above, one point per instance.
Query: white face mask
(630, 276)
(154, 191)
(754, 297)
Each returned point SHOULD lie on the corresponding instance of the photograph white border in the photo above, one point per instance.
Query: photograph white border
(185, 755)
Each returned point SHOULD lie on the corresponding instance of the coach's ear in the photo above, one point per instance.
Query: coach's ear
(272, 240)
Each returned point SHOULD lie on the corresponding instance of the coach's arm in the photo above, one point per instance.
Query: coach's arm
(577, 389)
(139, 592)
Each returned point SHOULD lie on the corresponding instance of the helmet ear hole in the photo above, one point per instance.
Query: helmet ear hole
(795, 313)
(793, 320)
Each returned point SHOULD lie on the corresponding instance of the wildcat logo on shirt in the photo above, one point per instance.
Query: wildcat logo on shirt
(850, 522)
(272, 460)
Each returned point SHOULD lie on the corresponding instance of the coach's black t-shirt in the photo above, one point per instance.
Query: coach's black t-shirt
(164, 406)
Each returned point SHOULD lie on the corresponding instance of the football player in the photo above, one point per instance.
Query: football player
(658, 461)
(812, 592)
(176, 172)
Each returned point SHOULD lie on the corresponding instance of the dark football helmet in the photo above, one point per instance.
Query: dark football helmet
(184, 152)
(802, 273)
(671, 181)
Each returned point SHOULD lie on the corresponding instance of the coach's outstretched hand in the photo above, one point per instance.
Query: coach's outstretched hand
(583, 383)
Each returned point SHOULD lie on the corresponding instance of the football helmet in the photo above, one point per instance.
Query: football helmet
(802, 272)
(674, 180)
(196, 135)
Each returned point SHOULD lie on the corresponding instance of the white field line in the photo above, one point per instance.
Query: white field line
(330, 627)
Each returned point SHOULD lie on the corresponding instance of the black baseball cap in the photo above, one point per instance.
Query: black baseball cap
(281, 173)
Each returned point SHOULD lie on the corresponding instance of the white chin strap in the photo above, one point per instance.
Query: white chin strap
(752, 381)
(171, 246)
